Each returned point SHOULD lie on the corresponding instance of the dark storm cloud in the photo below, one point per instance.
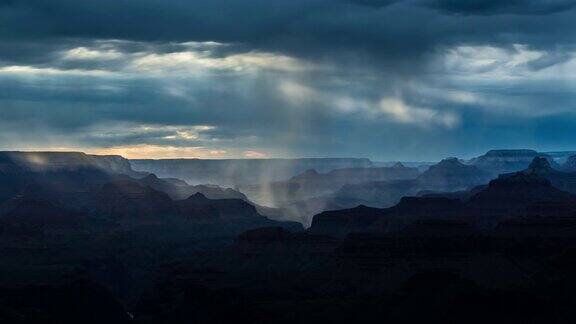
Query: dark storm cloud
(374, 3)
(384, 31)
(496, 7)
(377, 83)
(175, 20)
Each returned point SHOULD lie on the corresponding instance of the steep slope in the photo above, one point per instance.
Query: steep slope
(505, 161)
(77, 181)
(388, 220)
(449, 175)
(452, 175)
(225, 209)
(541, 167)
(128, 198)
(520, 196)
(17, 162)
(66, 186)
(378, 193)
(58, 173)
(570, 164)
(181, 190)
(342, 222)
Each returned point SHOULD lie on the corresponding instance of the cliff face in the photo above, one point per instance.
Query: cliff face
(449, 175)
(378, 193)
(181, 190)
(18, 162)
(522, 196)
(129, 204)
(73, 177)
(341, 222)
(541, 167)
(241, 172)
(452, 175)
(128, 198)
(570, 164)
(99, 187)
(561, 156)
(506, 161)
(519, 195)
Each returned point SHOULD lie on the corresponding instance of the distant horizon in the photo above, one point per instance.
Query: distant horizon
(297, 158)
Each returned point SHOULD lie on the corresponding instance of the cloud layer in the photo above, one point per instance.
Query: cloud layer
(414, 79)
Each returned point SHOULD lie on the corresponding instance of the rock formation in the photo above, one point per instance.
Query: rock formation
(505, 161)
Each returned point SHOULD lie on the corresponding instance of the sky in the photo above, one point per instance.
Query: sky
(383, 79)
